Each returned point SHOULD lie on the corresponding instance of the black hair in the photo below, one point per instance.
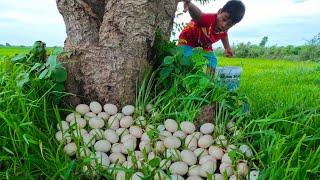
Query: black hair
(236, 10)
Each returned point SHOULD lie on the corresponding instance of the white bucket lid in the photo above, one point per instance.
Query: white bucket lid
(229, 70)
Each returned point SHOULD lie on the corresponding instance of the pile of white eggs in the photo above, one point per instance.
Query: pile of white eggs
(112, 139)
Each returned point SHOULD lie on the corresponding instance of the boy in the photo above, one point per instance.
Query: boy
(206, 29)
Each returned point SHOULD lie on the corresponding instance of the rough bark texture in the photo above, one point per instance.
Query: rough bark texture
(110, 41)
(207, 114)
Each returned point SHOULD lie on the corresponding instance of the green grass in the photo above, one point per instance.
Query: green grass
(284, 125)
(285, 115)
(27, 128)
(273, 85)
(13, 50)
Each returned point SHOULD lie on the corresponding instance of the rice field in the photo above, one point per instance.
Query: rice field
(274, 85)
(11, 51)
(15, 50)
(285, 115)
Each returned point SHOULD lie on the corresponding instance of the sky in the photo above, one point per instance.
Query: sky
(284, 21)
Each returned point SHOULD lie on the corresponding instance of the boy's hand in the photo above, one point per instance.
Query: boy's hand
(186, 4)
(229, 52)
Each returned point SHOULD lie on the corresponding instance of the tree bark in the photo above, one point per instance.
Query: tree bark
(110, 41)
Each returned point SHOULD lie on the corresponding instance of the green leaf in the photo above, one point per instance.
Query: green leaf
(155, 162)
(168, 60)
(152, 134)
(69, 169)
(204, 81)
(199, 60)
(18, 58)
(165, 72)
(35, 66)
(57, 51)
(43, 74)
(50, 71)
(27, 138)
(185, 61)
(59, 87)
(42, 67)
(179, 53)
(22, 79)
(52, 62)
(177, 70)
(232, 154)
(198, 50)
(60, 75)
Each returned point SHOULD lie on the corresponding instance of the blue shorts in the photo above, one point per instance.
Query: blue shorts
(187, 51)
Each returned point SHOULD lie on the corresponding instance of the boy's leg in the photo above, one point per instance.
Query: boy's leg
(187, 50)
(212, 63)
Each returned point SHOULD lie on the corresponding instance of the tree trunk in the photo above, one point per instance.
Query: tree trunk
(110, 41)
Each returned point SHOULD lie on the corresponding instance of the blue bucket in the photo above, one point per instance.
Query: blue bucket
(229, 77)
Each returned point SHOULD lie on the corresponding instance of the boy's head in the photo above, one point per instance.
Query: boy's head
(230, 14)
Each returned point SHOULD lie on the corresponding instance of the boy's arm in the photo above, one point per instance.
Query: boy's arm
(194, 11)
(226, 45)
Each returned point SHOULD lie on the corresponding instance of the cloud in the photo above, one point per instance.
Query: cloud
(30, 19)
(23, 22)
(44, 12)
